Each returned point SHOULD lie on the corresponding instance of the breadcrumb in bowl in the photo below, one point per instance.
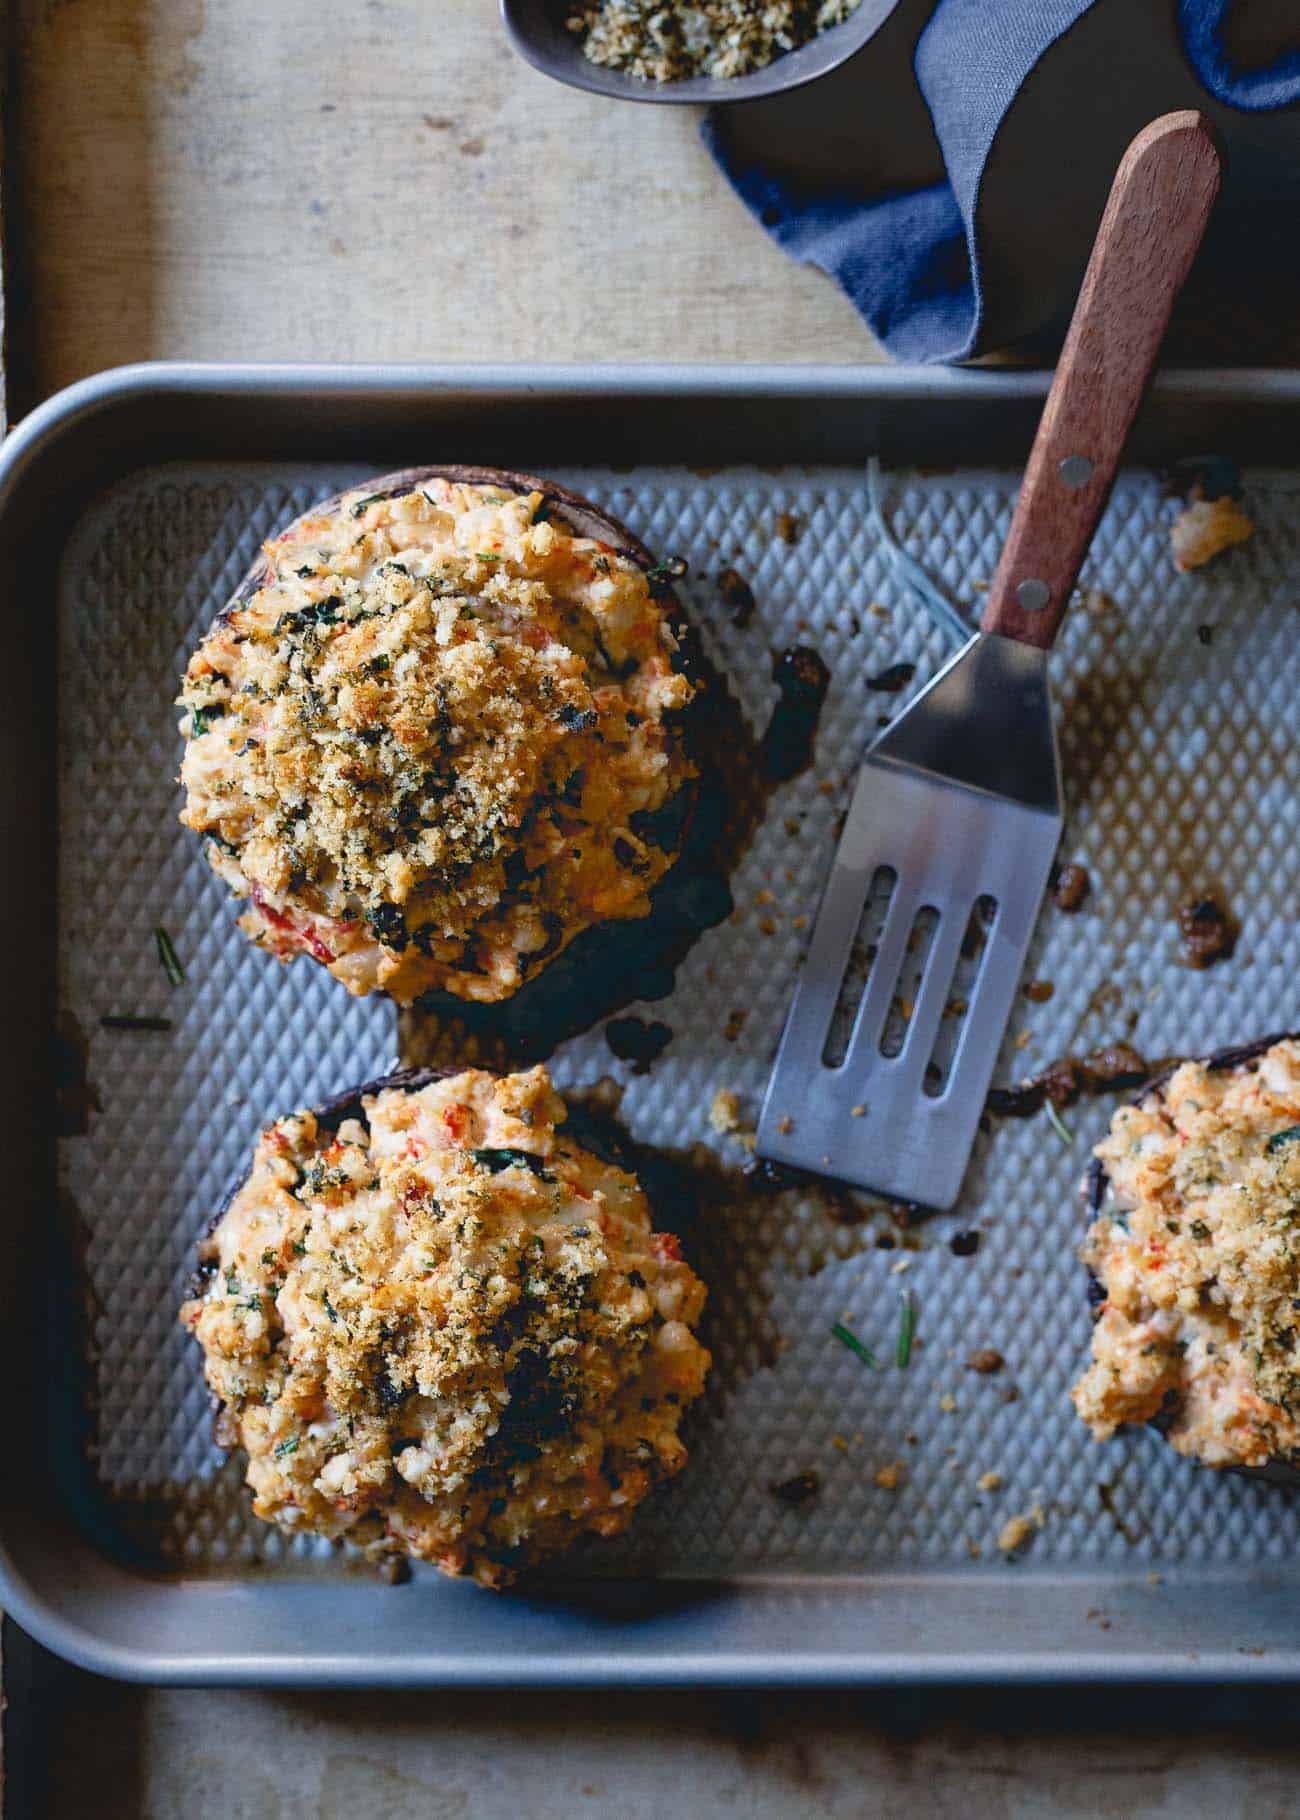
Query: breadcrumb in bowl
(1195, 1267)
(441, 1329)
(440, 731)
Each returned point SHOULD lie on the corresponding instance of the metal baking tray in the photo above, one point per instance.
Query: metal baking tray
(128, 506)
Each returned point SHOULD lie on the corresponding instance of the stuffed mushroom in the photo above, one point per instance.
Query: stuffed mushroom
(1194, 1248)
(443, 1329)
(438, 733)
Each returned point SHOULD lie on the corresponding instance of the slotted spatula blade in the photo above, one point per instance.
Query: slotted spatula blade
(957, 810)
(960, 801)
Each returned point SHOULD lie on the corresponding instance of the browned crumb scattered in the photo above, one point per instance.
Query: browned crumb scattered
(764, 896)
(947, 1403)
(988, 1481)
(734, 1025)
(724, 1116)
(1206, 527)
(800, 1488)
(986, 1361)
(879, 611)
(1016, 1532)
(973, 1549)
(738, 595)
(767, 925)
(798, 922)
(724, 1113)
(789, 527)
(1072, 886)
(888, 1477)
(1098, 601)
(1209, 933)
(857, 1112)
(1038, 991)
(785, 1124)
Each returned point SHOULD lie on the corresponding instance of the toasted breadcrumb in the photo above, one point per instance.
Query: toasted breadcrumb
(724, 1113)
(1205, 528)
(989, 1481)
(887, 1477)
(1016, 1532)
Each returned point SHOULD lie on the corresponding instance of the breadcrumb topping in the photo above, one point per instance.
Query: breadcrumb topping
(1197, 1248)
(435, 745)
(445, 1330)
(668, 40)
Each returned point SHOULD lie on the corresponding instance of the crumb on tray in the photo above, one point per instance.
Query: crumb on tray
(1206, 527)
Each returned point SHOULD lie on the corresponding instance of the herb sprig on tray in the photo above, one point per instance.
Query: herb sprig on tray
(847, 1337)
(169, 958)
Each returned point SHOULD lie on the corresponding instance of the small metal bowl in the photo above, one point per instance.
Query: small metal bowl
(538, 32)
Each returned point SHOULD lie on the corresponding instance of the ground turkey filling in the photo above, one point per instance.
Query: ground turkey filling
(1197, 1248)
(446, 1331)
(438, 743)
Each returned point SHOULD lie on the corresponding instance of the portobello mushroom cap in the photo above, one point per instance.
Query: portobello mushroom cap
(688, 897)
(1096, 1185)
(599, 1343)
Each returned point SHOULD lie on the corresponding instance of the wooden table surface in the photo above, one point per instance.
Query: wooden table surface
(381, 179)
(367, 179)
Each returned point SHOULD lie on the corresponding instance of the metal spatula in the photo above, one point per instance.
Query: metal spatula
(957, 812)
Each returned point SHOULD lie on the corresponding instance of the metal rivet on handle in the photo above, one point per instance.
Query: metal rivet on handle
(1033, 596)
(1076, 470)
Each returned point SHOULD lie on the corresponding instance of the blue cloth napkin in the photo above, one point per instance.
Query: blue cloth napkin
(909, 256)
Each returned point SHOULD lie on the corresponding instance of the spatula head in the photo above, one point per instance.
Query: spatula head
(903, 998)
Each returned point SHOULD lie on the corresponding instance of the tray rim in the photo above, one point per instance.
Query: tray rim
(51, 1619)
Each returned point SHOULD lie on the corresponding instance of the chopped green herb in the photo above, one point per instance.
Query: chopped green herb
(199, 722)
(1059, 1125)
(847, 1337)
(497, 1160)
(371, 499)
(672, 568)
(330, 1309)
(171, 965)
(1280, 1139)
(488, 555)
(1199, 1231)
(268, 1259)
(906, 1328)
(286, 1447)
(135, 1023)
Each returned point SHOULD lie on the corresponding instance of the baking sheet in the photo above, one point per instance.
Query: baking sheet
(1180, 764)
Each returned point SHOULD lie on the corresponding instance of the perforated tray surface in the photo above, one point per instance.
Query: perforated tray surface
(1175, 697)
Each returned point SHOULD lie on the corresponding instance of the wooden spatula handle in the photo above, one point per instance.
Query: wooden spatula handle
(1159, 205)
